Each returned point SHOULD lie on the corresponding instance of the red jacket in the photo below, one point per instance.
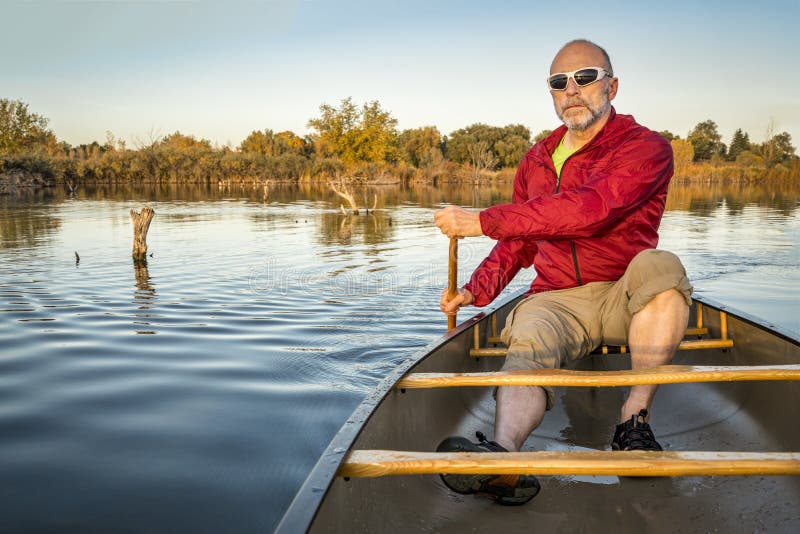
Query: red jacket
(587, 228)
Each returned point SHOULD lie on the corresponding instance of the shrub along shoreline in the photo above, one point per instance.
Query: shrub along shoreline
(349, 144)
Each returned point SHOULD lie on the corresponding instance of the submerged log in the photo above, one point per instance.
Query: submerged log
(141, 224)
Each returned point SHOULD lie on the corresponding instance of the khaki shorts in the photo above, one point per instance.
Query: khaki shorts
(553, 329)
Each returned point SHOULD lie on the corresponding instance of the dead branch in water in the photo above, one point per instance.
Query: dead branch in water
(141, 224)
(343, 191)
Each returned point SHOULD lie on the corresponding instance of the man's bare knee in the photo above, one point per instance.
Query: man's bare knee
(666, 301)
(657, 329)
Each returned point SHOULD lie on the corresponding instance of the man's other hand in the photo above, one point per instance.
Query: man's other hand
(458, 222)
(450, 306)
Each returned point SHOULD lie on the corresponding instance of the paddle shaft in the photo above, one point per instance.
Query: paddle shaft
(452, 279)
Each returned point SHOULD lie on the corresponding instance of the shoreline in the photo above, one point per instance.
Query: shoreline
(18, 181)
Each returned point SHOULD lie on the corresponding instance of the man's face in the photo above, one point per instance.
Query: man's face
(581, 107)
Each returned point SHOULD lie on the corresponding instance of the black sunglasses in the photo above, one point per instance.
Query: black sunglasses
(582, 77)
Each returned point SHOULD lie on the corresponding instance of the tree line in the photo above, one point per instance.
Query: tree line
(360, 142)
(706, 144)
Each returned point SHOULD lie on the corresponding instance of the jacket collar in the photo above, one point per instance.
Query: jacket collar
(551, 141)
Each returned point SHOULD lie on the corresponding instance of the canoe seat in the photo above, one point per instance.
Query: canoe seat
(692, 331)
(377, 463)
(664, 374)
(696, 344)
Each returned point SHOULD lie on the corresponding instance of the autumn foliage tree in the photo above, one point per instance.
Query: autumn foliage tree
(356, 134)
(268, 143)
(26, 144)
(22, 130)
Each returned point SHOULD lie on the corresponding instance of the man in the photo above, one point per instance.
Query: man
(586, 208)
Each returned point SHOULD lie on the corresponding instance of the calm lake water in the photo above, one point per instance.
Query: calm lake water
(194, 395)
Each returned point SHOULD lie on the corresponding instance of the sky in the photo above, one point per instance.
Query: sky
(219, 70)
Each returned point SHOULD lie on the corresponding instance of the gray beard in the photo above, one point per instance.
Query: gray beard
(580, 125)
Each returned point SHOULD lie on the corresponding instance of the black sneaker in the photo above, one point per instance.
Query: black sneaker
(509, 490)
(635, 435)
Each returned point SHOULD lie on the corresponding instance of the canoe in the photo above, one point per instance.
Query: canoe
(724, 414)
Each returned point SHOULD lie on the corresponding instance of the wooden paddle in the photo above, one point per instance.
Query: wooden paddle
(452, 279)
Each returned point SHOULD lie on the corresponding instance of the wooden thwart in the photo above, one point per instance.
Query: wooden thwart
(376, 463)
(665, 374)
(685, 345)
(693, 331)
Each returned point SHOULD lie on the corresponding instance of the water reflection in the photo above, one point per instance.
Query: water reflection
(704, 199)
(699, 198)
(143, 296)
(25, 224)
(144, 288)
(346, 229)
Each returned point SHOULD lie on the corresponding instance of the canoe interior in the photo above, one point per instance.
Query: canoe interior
(744, 416)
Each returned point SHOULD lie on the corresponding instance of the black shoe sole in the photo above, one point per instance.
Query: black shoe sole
(464, 484)
(474, 484)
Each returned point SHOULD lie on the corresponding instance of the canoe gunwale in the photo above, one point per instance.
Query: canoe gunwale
(758, 322)
(306, 504)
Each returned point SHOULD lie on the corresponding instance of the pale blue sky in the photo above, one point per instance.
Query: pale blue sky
(220, 70)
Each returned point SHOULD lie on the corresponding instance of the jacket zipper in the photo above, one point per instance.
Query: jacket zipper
(558, 178)
(575, 262)
(571, 243)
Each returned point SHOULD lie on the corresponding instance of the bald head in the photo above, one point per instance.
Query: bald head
(580, 53)
(583, 108)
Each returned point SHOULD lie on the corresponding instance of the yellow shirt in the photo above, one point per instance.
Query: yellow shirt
(560, 155)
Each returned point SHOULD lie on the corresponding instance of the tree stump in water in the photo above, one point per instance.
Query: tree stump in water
(141, 223)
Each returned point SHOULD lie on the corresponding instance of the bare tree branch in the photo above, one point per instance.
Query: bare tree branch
(481, 157)
(343, 191)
